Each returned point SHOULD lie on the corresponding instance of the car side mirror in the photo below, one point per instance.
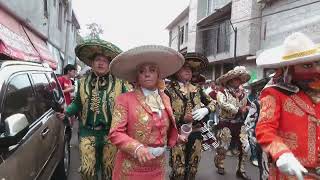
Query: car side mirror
(16, 126)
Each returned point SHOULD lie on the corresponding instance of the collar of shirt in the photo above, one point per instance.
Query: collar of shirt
(153, 100)
(147, 92)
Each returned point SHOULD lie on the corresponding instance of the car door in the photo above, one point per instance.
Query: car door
(49, 135)
(22, 161)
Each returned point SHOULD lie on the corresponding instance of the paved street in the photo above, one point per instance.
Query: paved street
(206, 169)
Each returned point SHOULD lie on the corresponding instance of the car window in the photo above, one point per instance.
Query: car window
(43, 91)
(58, 94)
(20, 98)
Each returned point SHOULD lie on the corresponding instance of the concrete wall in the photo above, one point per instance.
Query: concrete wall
(276, 27)
(175, 34)
(32, 11)
(248, 30)
(57, 37)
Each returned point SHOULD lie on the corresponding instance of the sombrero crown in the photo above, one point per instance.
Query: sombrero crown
(238, 72)
(296, 48)
(197, 61)
(125, 65)
(88, 48)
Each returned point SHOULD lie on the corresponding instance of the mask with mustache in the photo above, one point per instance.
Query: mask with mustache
(307, 81)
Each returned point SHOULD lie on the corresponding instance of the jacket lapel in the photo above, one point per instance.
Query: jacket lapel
(303, 103)
(141, 99)
(167, 105)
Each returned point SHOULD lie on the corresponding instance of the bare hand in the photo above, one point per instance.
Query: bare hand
(245, 109)
(182, 139)
(143, 155)
(60, 115)
(188, 118)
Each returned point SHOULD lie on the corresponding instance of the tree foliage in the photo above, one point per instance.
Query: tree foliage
(95, 30)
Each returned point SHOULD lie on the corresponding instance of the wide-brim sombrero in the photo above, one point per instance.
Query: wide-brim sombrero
(125, 65)
(88, 48)
(238, 72)
(296, 49)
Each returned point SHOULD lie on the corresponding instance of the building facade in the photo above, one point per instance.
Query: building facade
(53, 21)
(280, 18)
(211, 31)
(235, 32)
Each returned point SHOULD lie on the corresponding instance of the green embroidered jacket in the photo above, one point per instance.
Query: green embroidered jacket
(96, 108)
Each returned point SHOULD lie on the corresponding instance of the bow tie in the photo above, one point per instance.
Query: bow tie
(154, 101)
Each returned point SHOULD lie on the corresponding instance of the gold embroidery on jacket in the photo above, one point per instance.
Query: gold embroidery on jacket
(275, 147)
(290, 139)
(300, 102)
(290, 107)
(268, 108)
(118, 115)
(312, 137)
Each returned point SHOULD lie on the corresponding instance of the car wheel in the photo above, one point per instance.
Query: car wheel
(62, 170)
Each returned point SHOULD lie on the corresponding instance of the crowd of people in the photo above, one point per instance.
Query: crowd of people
(132, 106)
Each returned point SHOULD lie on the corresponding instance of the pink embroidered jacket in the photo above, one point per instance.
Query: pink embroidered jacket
(133, 124)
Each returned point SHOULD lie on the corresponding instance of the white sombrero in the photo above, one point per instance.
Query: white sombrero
(238, 72)
(297, 48)
(124, 66)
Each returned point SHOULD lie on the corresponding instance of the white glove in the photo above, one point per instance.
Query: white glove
(158, 151)
(200, 114)
(288, 164)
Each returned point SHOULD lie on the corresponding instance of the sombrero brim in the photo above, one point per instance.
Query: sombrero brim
(86, 50)
(273, 58)
(197, 61)
(243, 76)
(124, 66)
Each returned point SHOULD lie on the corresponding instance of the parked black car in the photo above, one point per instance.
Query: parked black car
(33, 142)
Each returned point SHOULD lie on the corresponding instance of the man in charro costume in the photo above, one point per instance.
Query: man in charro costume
(95, 100)
(288, 127)
(232, 108)
(190, 105)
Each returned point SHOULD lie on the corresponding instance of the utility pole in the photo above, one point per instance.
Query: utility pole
(235, 30)
(69, 21)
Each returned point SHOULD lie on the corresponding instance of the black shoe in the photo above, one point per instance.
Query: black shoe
(242, 175)
(220, 171)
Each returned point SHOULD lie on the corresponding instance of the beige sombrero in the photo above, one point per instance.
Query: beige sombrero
(296, 48)
(124, 66)
(238, 72)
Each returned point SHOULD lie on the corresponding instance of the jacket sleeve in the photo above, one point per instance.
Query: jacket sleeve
(118, 132)
(268, 124)
(207, 101)
(76, 105)
(222, 102)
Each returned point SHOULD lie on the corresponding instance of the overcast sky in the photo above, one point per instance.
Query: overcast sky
(130, 23)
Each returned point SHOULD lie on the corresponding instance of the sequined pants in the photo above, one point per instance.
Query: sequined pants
(225, 132)
(184, 159)
(96, 155)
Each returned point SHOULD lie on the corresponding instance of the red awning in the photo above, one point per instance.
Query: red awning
(14, 41)
(42, 49)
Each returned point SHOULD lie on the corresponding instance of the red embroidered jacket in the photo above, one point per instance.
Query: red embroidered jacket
(289, 123)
